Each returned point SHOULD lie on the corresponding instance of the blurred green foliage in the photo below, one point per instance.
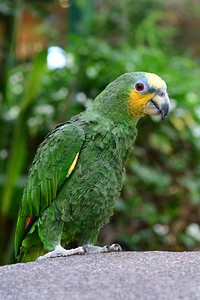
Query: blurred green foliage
(159, 206)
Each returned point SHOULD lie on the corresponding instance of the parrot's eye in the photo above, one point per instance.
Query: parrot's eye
(139, 87)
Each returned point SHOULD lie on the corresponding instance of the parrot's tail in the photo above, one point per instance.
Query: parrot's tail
(27, 244)
(31, 248)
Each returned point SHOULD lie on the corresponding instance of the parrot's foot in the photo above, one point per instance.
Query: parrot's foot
(60, 251)
(90, 249)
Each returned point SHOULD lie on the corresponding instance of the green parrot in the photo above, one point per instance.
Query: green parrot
(77, 172)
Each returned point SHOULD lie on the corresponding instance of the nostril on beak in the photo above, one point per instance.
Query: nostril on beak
(162, 94)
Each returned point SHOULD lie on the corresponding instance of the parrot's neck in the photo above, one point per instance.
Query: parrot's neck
(116, 110)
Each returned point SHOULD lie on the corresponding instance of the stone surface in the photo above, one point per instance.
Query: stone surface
(124, 275)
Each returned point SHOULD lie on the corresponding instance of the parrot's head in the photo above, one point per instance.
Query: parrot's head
(133, 95)
(147, 95)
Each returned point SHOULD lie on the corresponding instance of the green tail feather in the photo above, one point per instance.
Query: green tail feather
(19, 234)
(31, 248)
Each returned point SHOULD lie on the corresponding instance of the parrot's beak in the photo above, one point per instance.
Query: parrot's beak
(158, 105)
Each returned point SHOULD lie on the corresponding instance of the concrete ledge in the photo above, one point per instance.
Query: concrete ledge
(124, 276)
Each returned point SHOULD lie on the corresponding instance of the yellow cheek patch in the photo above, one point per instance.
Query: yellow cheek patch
(155, 81)
(73, 165)
(137, 102)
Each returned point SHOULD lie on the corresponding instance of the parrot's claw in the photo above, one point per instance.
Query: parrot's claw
(86, 249)
(114, 248)
(90, 249)
(60, 251)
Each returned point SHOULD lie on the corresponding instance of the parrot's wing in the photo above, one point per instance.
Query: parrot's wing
(55, 160)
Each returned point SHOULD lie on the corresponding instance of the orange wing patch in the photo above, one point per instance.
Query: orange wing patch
(28, 220)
